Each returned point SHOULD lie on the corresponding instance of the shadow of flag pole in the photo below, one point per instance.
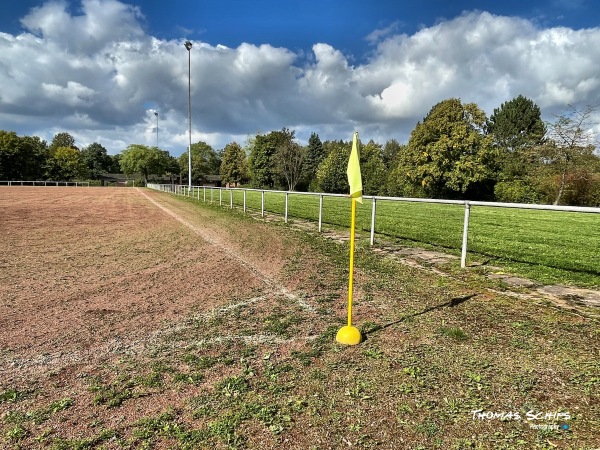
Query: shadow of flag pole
(348, 334)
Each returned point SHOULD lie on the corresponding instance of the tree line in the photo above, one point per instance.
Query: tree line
(31, 158)
(454, 152)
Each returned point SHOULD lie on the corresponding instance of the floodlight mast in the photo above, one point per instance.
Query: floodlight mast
(188, 46)
(156, 114)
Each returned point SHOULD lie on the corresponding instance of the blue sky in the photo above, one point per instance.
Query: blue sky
(100, 68)
(298, 24)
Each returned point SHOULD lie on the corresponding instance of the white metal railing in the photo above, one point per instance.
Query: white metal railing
(184, 191)
(43, 183)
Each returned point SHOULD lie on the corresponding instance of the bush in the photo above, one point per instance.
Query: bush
(398, 184)
(517, 191)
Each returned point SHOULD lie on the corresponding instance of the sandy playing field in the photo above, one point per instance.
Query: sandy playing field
(83, 268)
(91, 275)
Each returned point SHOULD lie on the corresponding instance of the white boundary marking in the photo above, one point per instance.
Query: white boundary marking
(271, 284)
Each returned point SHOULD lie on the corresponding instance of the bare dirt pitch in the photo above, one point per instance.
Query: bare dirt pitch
(133, 319)
(90, 275)
(83, 267)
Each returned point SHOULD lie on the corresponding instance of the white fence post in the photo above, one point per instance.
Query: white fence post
(286, 207)
(230, 198)
(262, 204)
(374, 206)
(463, 255)
(220, 197)
(244, 200)
(320, 212)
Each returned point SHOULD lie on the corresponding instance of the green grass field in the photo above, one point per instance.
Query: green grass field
(547, 246)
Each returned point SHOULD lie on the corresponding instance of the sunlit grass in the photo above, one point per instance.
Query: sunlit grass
(549, 246)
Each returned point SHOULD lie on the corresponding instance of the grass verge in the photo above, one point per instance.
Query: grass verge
(547, 246)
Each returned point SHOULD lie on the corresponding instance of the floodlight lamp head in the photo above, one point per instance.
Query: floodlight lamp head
(188, 45)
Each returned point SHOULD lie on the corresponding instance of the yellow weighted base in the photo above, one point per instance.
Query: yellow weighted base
(348, 335)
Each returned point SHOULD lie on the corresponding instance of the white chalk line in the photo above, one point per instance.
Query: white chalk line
(272, 284)
(135, 347)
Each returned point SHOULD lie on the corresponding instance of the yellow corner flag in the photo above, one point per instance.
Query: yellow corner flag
(353, 172)
(349, 334)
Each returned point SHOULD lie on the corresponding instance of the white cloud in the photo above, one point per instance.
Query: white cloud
(380, 33)
(73, 94)
(101, 22)
(98, 76)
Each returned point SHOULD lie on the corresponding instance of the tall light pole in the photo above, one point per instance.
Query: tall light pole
(156, 114)
(188, 46)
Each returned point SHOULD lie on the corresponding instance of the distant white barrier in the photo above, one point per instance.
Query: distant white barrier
(44, 183)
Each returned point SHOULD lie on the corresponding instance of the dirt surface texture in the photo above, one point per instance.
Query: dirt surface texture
(131, 318)
(88, 268)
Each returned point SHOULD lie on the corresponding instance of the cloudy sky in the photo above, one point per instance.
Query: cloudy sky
(100, 69)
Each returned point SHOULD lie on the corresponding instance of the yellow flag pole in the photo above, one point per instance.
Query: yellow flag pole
(350, 335)
(351, 278)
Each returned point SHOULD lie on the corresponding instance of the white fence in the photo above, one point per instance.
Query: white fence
(468, 204)
(44, 183)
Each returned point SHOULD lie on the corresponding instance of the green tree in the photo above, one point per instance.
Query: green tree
(315, 154)
(205, 161)
(9, 149)
(399, 183)
(331, 174)
(33, 157)
(22, 157)
(66, 164)
(448, 155)
(173, 169)
(63, 139)
(115, 166)
(144, 160)
(289, 160)
(372, 168)
(391, 151)
(96, 159)
(262, 162)
(517, 127)
(234, 167)
(516, 124)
